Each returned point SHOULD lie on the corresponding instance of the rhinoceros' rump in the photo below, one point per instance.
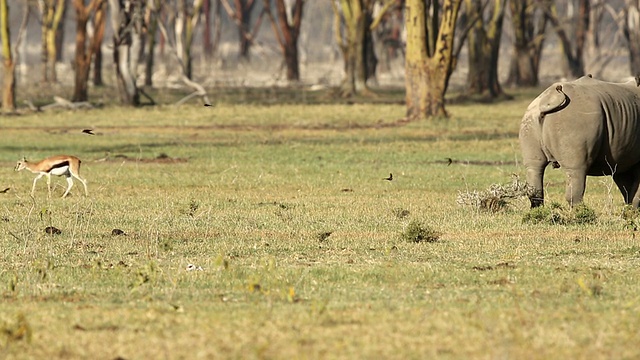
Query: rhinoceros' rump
(588, 127)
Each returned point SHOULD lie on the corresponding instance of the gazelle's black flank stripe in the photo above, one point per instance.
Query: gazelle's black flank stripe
(58, 165)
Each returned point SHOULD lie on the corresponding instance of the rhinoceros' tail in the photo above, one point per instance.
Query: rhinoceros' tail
(551, 101)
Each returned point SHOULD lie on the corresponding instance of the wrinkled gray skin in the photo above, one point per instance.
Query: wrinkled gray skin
(587, 127)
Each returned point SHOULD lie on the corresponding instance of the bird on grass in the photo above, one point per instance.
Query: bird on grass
(324, 235)
(118, 232)
(389, 178)
(52, 230)
(88, 131)
(5, 191)
(191, 267)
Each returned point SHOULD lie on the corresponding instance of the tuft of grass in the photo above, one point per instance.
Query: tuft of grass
(556, 214)
(416, 232)
(11, 332)
(401, 213)
(582, 214)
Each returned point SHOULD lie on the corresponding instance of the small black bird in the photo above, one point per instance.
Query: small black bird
(5, 191)
(207, 105)
(88, 131)
(449, 161)
(118, 232)
(52, 230)
(389, 178)
(324, 235)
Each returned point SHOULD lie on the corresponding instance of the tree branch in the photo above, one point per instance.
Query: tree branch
(200, 91)
(383, 11)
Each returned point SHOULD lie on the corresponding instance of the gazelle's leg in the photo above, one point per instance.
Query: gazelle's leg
(49, 183)
(69, 185)
(33, 187)
(84, 182)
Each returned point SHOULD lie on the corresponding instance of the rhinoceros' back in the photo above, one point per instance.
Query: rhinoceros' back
(619, 108)
(589, 115)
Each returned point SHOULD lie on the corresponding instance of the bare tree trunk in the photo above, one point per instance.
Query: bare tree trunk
(574, 57)
(52, 11)
(217, 27)
(595, 19)
(199, 90)
(84, 51)
(186, 21)
(353, 14)
(9, 83)
(429, 57)
(287, 31)
(387, 33)
(243, 11)
(207, 45)
(152, 29)
(632, 34)
(529, 25)
(59, 36)
(370, 60)
(127, 24)
(100, 24)
(82, 64)
(192, 16)
(484, 49)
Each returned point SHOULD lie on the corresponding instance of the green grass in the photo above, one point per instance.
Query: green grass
(249, 197)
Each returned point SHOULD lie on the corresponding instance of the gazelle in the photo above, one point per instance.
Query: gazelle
(58, 165)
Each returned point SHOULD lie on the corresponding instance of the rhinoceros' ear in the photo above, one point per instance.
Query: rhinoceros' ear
(553, 100)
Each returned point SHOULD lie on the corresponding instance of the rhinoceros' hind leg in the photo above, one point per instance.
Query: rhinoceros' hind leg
(535, 177)
(576, 182)
(628, 184)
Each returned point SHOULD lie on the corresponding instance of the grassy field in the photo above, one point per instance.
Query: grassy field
(299, 238)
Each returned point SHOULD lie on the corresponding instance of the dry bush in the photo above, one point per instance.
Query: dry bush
(496, 197)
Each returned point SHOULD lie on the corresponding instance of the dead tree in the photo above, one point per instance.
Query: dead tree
(97, 34)
(632, 34)
(484, 48)
(127, 22)
(84, 51)
(574, 56)
(353, 20)
(529, 25)
(241, 16)
(199, 90)
(287, 30)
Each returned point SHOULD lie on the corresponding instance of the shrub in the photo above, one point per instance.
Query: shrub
(556, 214)
(584, 214)
(417, 232)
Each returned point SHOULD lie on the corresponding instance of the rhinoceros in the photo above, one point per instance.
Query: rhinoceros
(587, 127)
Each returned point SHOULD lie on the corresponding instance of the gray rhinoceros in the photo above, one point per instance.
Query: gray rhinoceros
(587, 127)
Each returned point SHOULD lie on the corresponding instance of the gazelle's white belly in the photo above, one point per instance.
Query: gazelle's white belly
(59, 171)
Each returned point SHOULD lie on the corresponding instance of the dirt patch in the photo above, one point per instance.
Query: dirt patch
(160, 159)
(449, 161)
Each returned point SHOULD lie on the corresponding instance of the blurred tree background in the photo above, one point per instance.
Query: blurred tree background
(350, 49)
